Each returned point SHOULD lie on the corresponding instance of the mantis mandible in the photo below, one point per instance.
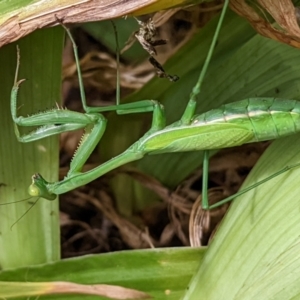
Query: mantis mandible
(233, 124)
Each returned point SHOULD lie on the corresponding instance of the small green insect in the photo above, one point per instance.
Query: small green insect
(250, 120)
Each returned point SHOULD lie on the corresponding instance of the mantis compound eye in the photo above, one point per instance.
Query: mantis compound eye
(38, 188)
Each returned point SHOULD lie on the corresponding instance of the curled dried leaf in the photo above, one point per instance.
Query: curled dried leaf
(283, 12)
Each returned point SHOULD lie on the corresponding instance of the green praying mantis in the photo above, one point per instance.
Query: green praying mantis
(250, 120)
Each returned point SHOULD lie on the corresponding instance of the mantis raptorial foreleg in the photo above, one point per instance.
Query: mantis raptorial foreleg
(60, 120)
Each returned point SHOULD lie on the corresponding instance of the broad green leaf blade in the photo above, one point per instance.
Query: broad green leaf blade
(35, 238)
(255, 253)
(163, 273)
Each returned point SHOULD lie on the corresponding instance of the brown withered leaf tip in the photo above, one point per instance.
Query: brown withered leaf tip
(39, 14)
(282, 11)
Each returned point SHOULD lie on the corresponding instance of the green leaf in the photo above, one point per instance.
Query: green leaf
(35, 237)
(255, 253)
(162, 273)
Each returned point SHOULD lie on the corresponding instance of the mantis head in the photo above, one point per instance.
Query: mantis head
(38, 188)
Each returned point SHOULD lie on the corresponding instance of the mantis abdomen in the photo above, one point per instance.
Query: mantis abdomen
(233, 124)
(267, 118)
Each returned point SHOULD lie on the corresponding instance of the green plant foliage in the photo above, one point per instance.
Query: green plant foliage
(162, 273)
(35, 238)
(255, 254)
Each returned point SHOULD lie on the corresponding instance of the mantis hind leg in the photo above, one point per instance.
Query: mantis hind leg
(126, 108)
(205, 200)
(191, 106)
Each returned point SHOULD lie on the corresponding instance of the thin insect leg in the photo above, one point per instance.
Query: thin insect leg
(191, 106)
(190, 109)
(141, 106)
(205, 168)
(81, 88)
(14, 95)
(127, 108)
(230, 198)
(88, 143)
(197, 88)
(49, 123)
(18, 65)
